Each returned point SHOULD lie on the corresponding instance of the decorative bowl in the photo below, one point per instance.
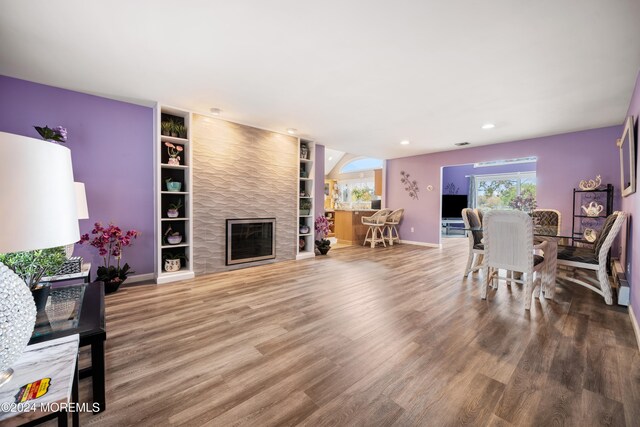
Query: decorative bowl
(174, 240)
(174, 186)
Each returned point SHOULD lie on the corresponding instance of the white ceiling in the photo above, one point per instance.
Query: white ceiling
(331, 159)
(358, 75)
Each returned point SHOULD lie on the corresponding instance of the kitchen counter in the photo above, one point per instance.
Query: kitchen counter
(348, 225)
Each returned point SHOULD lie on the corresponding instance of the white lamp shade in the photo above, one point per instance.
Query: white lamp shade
(39, 203)
(81, 201)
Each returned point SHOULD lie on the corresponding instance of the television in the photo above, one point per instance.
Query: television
(452, 205)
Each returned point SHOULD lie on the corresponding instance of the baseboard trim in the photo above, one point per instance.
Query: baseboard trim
(428, 245)
(636, 327)
(140, 277)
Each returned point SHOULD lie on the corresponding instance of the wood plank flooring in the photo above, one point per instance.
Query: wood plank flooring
(366, 337)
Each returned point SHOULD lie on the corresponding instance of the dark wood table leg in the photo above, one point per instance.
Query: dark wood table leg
(75, 396)
(63, 419)
(98, 377)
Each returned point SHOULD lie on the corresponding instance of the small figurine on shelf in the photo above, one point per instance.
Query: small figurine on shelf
(304, 151)
(174, 153)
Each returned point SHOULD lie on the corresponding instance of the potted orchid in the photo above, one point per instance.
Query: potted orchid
(174, 153)
(110, 242)
(322, 231)
(174, 209)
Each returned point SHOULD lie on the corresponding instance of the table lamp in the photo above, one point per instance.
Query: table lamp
(82, 211)
(39, 211)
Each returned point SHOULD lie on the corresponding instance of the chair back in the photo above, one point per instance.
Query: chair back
(547, 218)
(395, 216)
(508, 240)
(480, 214)
(471, 220)
(378, 218)
(610, 230)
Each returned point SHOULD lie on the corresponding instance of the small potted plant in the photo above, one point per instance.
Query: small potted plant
(181, 130)
(322, 230)
(172, 237)
(174, 153)
(174, 209)
(110, 242)
(172, 261)
(165, 128)
(57, 134)
(174, 130)
(173, 185)
(305, 206)
(32, 266)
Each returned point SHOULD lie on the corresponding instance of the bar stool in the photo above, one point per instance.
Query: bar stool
(376, 223)
(390, 226)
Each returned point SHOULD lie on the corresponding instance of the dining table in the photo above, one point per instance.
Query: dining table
(552, 236)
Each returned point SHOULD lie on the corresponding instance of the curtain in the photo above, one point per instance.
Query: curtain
(471, 200)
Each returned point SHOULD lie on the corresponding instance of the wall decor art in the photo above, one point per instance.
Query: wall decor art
(411, 186)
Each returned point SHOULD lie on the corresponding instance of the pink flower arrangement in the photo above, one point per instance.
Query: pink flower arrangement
(322, 227)
(174, 150)
(110, 241)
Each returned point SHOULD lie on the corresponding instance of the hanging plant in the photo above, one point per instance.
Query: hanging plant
(411, 186)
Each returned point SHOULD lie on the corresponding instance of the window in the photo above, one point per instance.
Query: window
(499, 191)
(362, 165)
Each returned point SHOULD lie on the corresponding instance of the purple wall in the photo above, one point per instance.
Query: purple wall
(631, 204)
(318, 203)
(563, 160)
(458, 175)
(111, 146)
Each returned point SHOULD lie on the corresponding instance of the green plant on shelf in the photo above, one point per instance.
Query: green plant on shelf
(305, 205)
(174, 255)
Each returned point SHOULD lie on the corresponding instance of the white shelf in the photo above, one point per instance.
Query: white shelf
(306, 161)
(161, 171)
(306, 179)
(305, 186)
(303, 235)
(305, 197)
(305, 216)
(167, 166)
(179, 245)
(175, 140)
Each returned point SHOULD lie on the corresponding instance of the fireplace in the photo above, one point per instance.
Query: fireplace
(250, 240)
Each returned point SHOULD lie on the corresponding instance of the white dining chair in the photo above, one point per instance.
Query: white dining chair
(508, 245)
(391, 226)
(547, 218)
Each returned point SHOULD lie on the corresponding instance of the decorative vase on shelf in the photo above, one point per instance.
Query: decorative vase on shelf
(174, 240)
(174, 186)
(304, 152)
(302, 243)
(172, 265)
(173, 161)
(304, 229)
(173, 213)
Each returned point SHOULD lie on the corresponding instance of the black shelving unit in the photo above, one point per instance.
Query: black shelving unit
(581, 222)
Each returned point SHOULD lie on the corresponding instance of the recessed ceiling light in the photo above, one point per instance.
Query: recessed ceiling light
(330, 158)
(488, 126)
(291, 131)
(215, 111)
(405, 142)
(460, 144)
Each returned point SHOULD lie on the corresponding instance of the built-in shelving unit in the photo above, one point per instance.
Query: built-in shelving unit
(306, 157)
(180, 172)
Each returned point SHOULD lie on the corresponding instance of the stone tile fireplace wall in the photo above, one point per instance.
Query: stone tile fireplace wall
(241, 172)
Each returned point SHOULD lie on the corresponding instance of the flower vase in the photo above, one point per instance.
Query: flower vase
(172, 265)
(173, 161)
(112, 286)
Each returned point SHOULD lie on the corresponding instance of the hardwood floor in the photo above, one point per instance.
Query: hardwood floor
(369, 337)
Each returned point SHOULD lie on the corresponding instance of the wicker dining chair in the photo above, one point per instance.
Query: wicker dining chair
(376, 223)
(547, 218)
(391, 226)
(476, 247)
(508, 245)
(594, 259)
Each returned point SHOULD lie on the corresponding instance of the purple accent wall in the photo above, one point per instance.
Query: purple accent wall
(111, 146)
(458, 175)
(563, 160)
(318, 208)
(631, 204)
